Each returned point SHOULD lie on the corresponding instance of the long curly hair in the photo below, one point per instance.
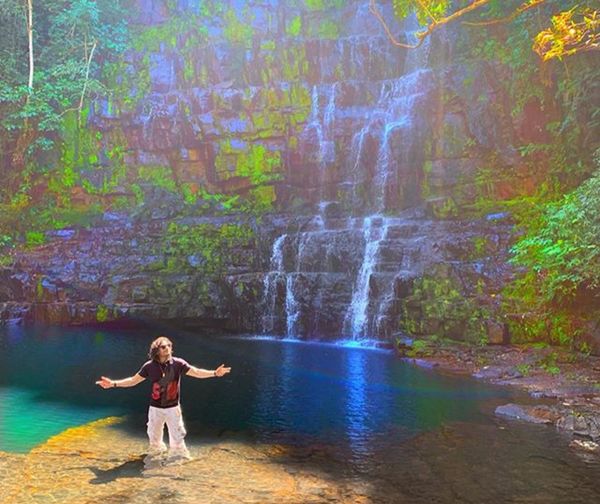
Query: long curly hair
(155, 347)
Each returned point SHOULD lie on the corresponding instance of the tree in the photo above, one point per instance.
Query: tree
(572, 31)
(36, 91)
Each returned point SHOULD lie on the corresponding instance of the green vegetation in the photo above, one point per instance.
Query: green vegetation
(571, 28)
(437, 307)
(560, 278)
(68, 41)
(204, 247)
(524, 369)
(34, 238)
(237, 31)
(552, 194)
(328, 30)
(102, 313)
(294, 27)
(158, 176)
(319, 5)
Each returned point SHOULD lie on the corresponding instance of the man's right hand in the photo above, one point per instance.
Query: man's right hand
(105, 382)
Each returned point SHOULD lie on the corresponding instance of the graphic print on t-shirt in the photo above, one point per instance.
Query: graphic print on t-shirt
(168, 386)
(165, 378)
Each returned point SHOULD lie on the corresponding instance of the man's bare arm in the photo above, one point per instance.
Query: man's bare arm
(195, 372)
(132, 381)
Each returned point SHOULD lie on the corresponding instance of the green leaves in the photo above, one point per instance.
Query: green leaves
(560, 257)
(69, 38)
(426, 10)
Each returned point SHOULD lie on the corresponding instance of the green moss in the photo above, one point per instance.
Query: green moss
(438, 307)
(6, 260)
(190, 193)
(80, 148)
(138, 194)
(294, 65)
(102, 313)
(237, 31)
(294, 27)
(328, 30)
(448, 209)
(318, 5)
(34, 239)
(177, 30)
(426, 191)
(39, 289)
(210, 245)
(480, 246)
(253, 161)
(159, 176)
(268, 45)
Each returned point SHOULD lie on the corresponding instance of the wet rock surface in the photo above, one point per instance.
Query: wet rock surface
(297, 275)
(96, 463)
(569, 389)
(357, 132)
(99, 463)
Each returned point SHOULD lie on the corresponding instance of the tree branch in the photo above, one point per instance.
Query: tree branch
(430, 28)
(373, 10)
(507, 19)
(87, 76)
(30, 41)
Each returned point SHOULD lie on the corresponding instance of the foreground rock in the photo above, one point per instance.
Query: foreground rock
(96, 463)
(101, 463)
(579, 416)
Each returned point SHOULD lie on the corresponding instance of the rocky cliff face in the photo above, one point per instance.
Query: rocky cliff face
(363, 149)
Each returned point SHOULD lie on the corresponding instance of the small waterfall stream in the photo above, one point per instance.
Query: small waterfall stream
(357, 318)
(321, 121)
(292, 310)
(270, 285)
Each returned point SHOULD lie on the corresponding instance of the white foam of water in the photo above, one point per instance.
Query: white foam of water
(356, 320)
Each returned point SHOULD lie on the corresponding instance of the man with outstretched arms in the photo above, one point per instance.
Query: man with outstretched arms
(164, 372)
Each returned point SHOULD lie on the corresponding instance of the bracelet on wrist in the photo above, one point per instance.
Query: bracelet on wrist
(114, 384)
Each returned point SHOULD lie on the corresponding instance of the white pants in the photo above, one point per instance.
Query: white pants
(157, 417)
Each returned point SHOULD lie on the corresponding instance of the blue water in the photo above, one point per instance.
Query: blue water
(278, 391)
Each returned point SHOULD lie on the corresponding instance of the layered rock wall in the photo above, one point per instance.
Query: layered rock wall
(357, 147)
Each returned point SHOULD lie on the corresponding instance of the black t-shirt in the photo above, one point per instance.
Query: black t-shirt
(165, 380)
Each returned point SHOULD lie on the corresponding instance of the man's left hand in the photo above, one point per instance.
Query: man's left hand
(222, 370)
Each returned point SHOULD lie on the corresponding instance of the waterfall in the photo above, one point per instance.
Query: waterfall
(384, 161)
(378, 114)
(270, 284)
(395, 110)
(292, 310)
(356, 320)
(419, 57)
(322, 122)
(329, 115)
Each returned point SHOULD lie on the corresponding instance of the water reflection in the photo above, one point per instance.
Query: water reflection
(405, 434)
(278, 391)
(357, 409)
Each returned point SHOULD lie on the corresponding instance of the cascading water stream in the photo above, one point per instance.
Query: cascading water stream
(395, 110)
(419, 57)
(292, 310)
(270, 284)
(356, 320)
(379, 157)
(322, 124)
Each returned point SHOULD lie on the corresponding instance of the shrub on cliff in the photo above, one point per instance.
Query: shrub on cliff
(561, 258)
